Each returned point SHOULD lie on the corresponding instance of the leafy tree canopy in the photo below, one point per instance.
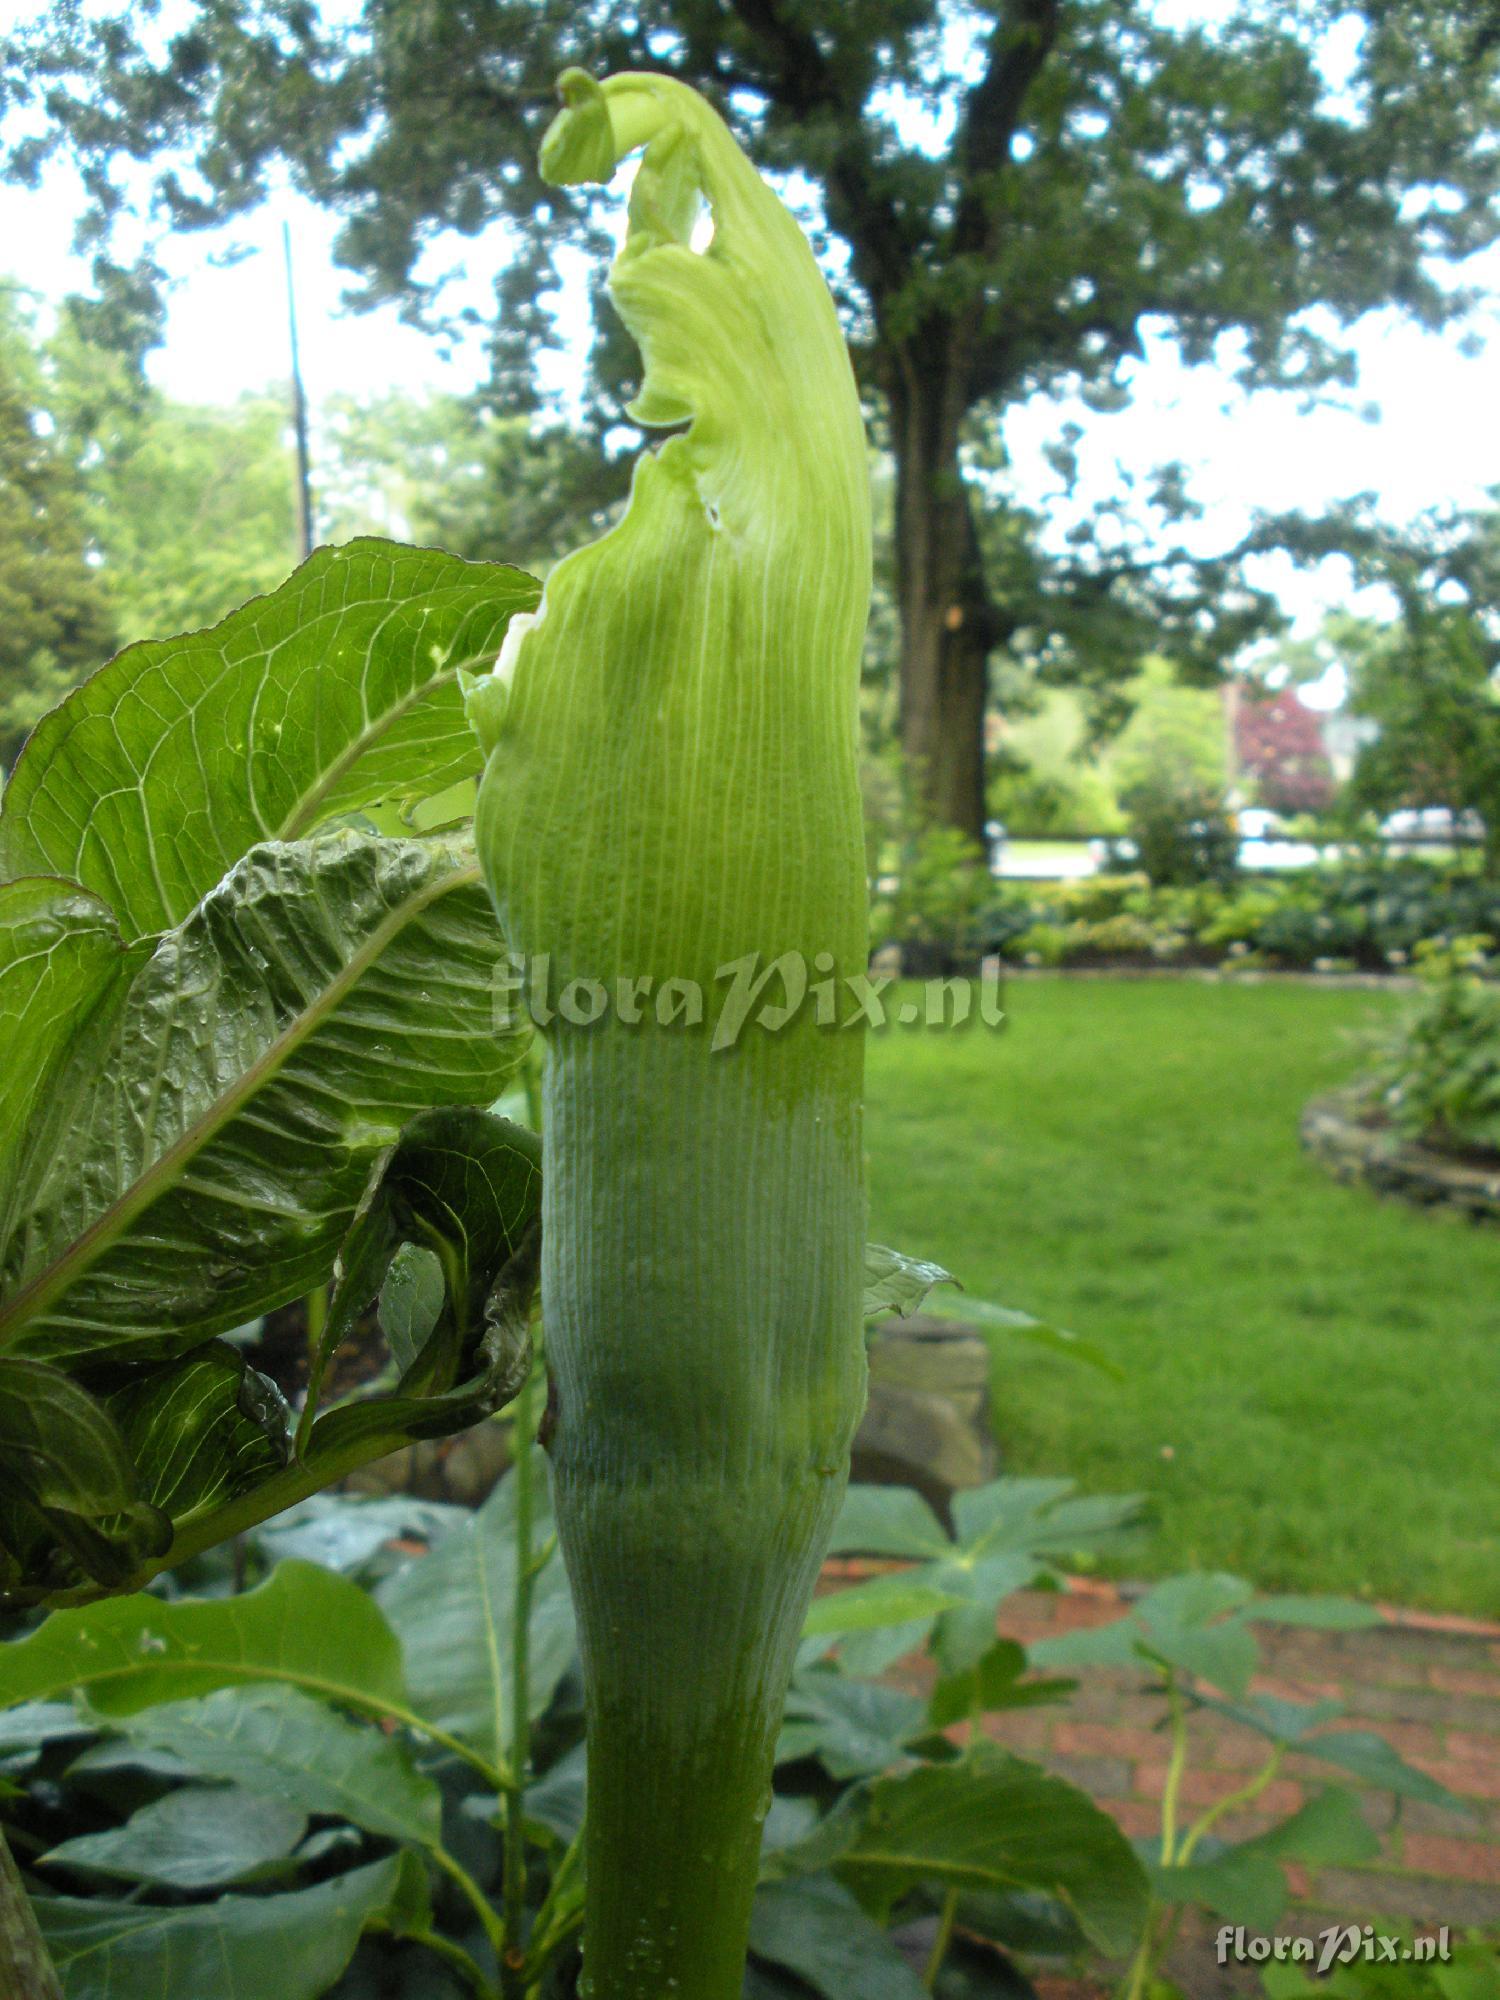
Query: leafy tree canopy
(55, 616)
(1430, 680)
(1007, 198)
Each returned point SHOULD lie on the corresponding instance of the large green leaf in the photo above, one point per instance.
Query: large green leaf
(466, 1186)
(1199, 1623)
(1300, 1726)
(198, 1838)
(1365, 1755)
(303, 1625)
(352, 1533)
(238, 1948)
(855, 1728)
(201, 1430)
(68, 1489)
(888, 1521)
(61, 962)
(1243, 1884)
(339, 689)
(283, 1744)
(558, 1799)
(883, 1600)
(453, 1610)
(991, 1822)
(993, 1681)
(1246, 1883)
(1008, 1533)
(897, 1283)
(265, 1058)
(813, 1927)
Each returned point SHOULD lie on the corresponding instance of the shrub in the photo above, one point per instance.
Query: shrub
(1364, 914)
(942, 897)
(1182, 831)
(1440, 1080)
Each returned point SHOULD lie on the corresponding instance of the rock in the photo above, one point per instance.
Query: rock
(462, 1470)
(927, 1423)
(1343, 1135)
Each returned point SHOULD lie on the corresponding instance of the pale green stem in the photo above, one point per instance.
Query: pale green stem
(1176, 1765)
(1144, 1962)
(1145, 1958)
(494, 1929)
(1157, 1936)
(1231, 1802)
(513, 1964)
(942, 1941)
(453, 1954)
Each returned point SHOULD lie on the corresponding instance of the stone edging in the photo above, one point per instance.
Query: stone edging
(1341, 1135)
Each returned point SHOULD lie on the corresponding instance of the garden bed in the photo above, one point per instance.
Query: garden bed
(1355, 1142)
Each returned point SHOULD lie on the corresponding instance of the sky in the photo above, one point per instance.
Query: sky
(1421, 432)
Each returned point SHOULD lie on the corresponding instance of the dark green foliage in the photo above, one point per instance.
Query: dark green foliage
(1439, 1077)
(249, 1042)
(1429, 683)
(935, 902)
(1368, 915)
(1183, 833)
(56, 621)
(216, 1731)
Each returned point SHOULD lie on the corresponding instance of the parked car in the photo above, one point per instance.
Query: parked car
(1432, 826)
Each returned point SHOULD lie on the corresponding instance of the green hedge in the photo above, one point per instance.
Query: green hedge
(1357, 916)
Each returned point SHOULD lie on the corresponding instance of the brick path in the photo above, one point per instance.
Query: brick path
(1431, 1687)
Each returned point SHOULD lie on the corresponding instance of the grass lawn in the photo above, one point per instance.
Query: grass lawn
(1312, 1375)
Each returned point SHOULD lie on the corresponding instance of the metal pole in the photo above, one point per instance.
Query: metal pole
(299, 406)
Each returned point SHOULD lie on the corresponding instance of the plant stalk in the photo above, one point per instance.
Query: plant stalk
(946, 1920)
(513, 1977)
(26, 1969)
(1176, 1765)
(695, 1495)
(1247, 1794)
(671, 804)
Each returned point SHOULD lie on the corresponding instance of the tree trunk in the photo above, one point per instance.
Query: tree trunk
(949, 623)
(25, 1969)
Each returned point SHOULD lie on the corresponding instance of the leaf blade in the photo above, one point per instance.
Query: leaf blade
(303, 1625)
(288, 1005)
(450, 1610)
(238, 1948)
(336, 690)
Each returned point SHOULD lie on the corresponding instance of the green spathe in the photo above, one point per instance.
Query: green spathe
(671, 786)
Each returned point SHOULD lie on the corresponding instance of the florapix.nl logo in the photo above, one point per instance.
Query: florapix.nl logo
(1339, 1944)
(764, 994)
